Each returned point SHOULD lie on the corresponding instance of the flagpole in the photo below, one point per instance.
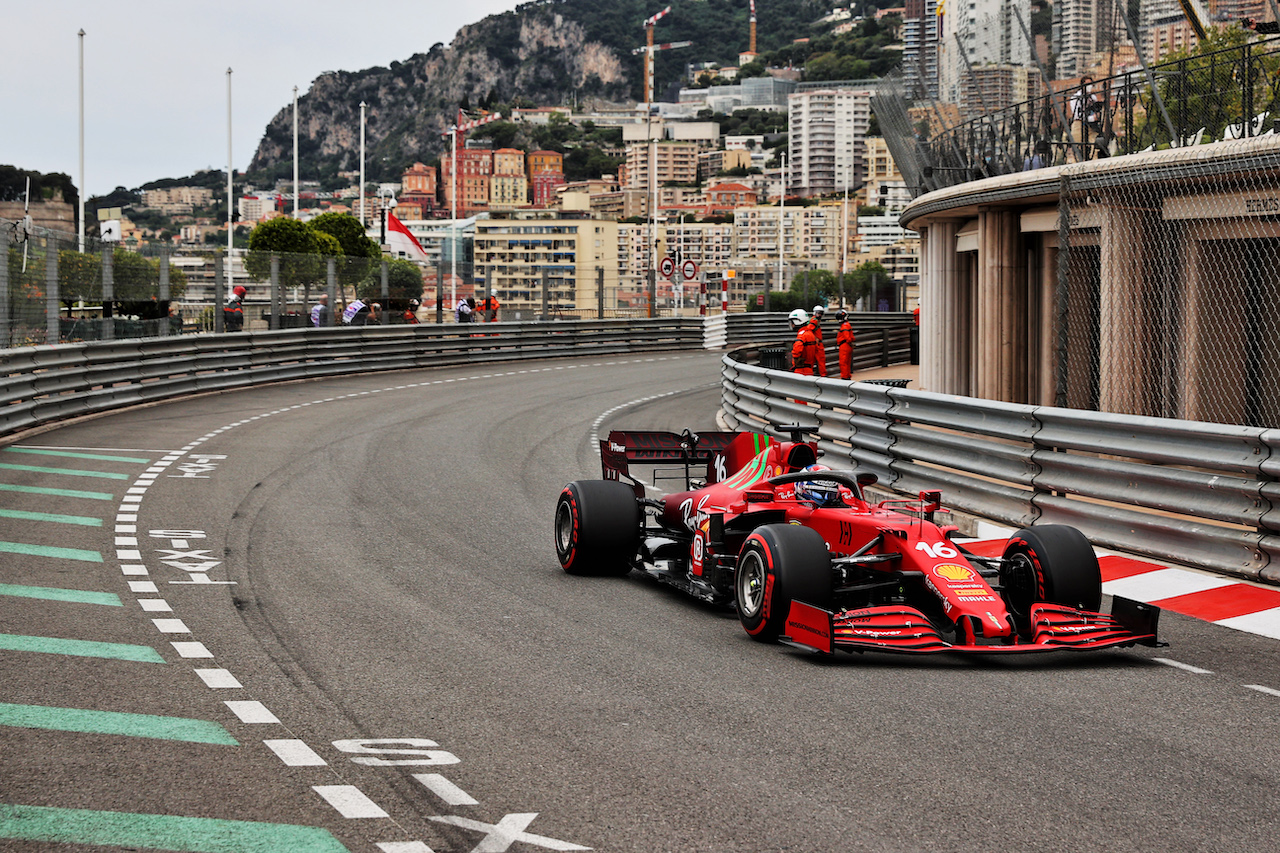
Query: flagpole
(80, 230)
(363, 223)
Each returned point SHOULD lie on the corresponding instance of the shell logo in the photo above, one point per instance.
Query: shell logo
(952, 572)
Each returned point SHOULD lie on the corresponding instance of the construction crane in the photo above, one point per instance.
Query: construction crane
(753, 27)
(1195, 15)
(648, 51)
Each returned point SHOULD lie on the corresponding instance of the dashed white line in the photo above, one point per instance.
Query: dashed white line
(1185, 667)
(251, 711)
(142, 586)
(404, 847)
(171, 626)
(191, 650)
(295, 753)
(218, 679)
(349, 801)
(155, 605)
(1270, 691)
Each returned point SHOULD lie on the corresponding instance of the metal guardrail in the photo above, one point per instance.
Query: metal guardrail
(39, 385)
(1199, 494)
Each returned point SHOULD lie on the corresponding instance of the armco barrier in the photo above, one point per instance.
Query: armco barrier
(39, 385)
(1199, 494)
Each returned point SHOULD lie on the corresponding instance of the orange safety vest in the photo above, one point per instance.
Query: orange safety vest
(844, 341)
(804, 352)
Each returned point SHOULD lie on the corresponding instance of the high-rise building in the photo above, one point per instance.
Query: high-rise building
(825, 132)
(920, 47)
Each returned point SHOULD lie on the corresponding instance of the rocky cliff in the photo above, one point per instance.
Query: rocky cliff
(547, 52)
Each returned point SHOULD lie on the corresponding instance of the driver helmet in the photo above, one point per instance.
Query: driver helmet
(822, 493)
(842, 315)
(797, 318)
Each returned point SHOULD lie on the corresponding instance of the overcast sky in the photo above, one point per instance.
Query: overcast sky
(156, 75)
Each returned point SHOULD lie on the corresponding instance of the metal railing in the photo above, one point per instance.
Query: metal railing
(1204, 495)
(40, 385)
(1231, 93)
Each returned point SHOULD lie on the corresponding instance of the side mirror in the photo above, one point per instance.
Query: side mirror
(866, 478)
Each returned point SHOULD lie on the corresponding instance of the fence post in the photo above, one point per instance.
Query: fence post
(275, 292)
(4, 289)
(52, 309)
(219, 285)
(546, 293)
(163, 329)
(108, 292)
(331, 285)
(599, 293)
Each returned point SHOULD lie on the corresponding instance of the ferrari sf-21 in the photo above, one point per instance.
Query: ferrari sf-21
(807, 560)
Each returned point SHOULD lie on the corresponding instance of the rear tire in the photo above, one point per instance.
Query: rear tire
(1050, 563)
(779, 564)
(597, 527)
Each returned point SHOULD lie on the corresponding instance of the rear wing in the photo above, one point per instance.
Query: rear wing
(649, 447)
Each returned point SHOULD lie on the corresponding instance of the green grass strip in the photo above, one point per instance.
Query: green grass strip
(82, 520)
(61, 493)
(161, 832)
(53, 593)
(51, 551)
(67, 454)
(113, 723)
(68, 472)
(79, 648)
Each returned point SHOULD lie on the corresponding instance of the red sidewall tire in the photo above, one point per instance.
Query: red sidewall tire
(597, 527)
(779, 564)
(1065, 566)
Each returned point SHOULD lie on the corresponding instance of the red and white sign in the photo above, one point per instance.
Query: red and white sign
(689, 270)
(667, 267)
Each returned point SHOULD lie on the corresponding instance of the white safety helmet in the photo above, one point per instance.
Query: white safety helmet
(797, 318)
(819, 310)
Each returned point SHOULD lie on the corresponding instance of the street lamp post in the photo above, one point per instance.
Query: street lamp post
(295, 152)
(363, 223)
(80, 230)
(231, 224)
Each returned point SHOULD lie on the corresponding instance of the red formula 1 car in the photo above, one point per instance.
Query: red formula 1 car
(808, 561)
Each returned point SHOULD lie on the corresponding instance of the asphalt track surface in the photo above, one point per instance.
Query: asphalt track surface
(381, 577)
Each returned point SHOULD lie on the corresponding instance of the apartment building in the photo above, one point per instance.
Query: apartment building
(826, 131)
(189, 196)
(475, 170)
(809, 233)
(676, 162)
(418, 186)
(516, 248)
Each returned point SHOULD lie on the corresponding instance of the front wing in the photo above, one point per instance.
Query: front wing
(899, 628)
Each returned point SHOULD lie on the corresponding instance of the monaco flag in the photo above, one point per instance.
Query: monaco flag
(403, 244)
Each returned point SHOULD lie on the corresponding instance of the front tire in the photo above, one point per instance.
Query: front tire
(597, 527)
(1050, 563)
(779, 564)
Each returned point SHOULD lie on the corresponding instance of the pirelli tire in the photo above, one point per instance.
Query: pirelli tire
(779, 564)
(1051, 563)
(597, 528)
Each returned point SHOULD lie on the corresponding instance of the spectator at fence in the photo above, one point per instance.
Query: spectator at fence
(844, 343)
(375, 314)
(233, 311)
(411, 313)
(320, 314)
(356, 313)
(462, 311)
(1039, 158)
(489, 309)
(1264, 27)
(1087, 112)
